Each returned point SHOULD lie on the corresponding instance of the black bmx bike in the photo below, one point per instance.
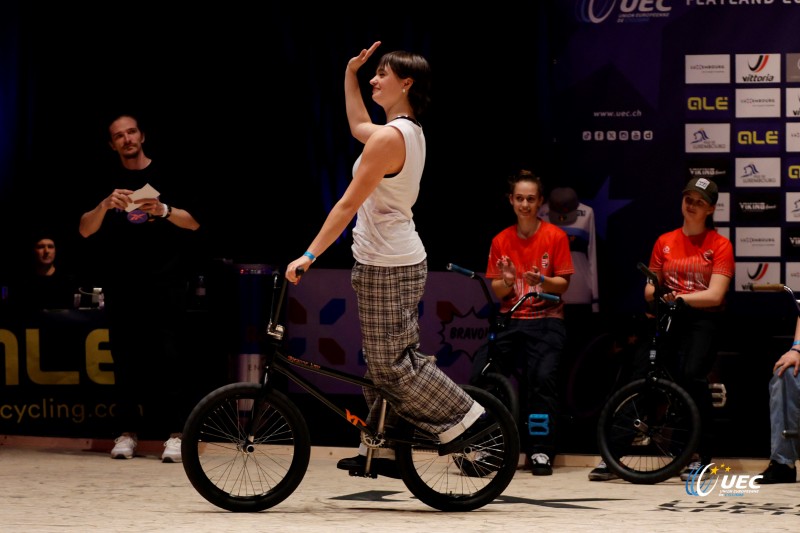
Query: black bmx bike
(650, 427)
(500, 376)
(246, 446)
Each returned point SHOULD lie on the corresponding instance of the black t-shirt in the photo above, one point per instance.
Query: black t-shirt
(136, 250)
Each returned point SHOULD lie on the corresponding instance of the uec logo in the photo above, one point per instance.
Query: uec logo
(700, 484)
(596, 11)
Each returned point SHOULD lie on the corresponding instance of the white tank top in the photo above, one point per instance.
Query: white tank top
(384, 234)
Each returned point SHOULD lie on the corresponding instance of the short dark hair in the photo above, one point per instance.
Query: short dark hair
(409, 65)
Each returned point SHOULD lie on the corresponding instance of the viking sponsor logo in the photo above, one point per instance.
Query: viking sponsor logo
(756, 207)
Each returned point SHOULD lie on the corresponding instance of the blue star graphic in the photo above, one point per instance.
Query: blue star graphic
(604, 207)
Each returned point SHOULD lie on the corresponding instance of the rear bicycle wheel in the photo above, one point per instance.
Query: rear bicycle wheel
(439, 480)
(244, 448)
(503, 389)
(648, 431)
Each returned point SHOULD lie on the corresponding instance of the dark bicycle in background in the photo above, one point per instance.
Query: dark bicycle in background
(649, 428)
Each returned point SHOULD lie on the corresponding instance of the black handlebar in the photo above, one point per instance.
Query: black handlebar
(470, 274)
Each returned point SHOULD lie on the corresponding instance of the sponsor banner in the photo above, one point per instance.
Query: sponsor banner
(791, 243)
(716, 169)
(758, 103)
(758, 242)
(723, 211)
(725, 232)
(793, 207)
(707, 138)
(758, 68)
(792, 102)
(452, 326)
(758, 207)
(758, 172)
(748, 274)
(709, 103)
(793, 68)
(758, 137)
(711, 68)
(793, 136)
(792, 278)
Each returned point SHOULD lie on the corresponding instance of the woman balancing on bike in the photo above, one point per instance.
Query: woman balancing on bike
(390, 268)
(695, 264)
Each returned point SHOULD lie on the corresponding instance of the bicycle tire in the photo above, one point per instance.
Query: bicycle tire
(240, 472)
(648, 431)
(502, 388)
(439, 482)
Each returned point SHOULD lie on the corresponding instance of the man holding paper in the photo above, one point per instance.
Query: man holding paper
(143, 236)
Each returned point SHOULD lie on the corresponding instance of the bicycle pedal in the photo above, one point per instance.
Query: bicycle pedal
(360, 473)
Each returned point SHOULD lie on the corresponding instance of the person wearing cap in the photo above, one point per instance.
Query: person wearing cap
(695, 264)
(566, 211)
(531, 254)
(581, 300)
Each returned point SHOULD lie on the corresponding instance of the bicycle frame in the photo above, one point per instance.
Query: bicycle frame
(277, 361)
(498, 321)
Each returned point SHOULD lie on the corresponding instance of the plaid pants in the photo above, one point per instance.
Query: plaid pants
(416, 389)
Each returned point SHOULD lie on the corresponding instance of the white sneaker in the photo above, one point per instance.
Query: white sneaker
(124, 447)
(172, 451)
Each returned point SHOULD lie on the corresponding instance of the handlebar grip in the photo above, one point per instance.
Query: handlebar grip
(455, 268)
(546, 296)
(766, 287)
(299, 271)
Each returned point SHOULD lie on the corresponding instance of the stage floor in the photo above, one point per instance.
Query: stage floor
(65, 485)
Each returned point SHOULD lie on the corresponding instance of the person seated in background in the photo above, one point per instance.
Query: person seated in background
(43, 285)
(784, 414)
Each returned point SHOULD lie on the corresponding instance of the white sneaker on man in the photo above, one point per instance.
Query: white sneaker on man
(124, 447)
(172, 451)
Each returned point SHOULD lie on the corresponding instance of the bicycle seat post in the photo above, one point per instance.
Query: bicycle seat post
(378, 435)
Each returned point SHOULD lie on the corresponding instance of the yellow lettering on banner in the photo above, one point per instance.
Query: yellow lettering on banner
(96, 356)
(9, 342)
(35, 372)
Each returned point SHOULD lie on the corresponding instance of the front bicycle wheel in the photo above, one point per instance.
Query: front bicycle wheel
(245, 448)
(442, 481)
(648, 430)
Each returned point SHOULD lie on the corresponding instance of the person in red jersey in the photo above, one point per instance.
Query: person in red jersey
(532, 254)
(693, 263)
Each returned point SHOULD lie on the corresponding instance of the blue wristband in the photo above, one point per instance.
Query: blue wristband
(541, 278)
(795, 343)
(310, 256)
